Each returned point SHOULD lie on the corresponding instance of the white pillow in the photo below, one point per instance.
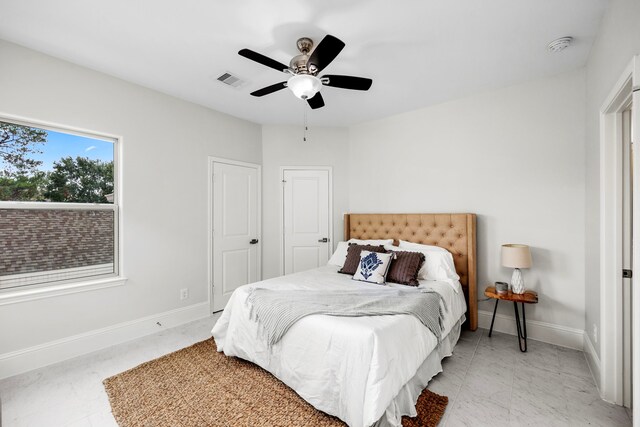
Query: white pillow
(373, 267)
(340, 255)
(409, 245)
(372, 242)
(437, 265)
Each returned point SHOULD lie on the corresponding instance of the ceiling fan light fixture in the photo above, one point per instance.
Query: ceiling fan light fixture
(303, 69)
(304, 86)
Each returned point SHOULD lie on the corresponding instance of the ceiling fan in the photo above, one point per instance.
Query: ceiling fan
(304, 68)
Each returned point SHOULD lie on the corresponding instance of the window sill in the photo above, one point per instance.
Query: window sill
(23, 295)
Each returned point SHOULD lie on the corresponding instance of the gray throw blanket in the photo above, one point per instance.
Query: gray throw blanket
(276, 311)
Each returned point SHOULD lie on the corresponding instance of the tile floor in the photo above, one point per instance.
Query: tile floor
(70, 393)
(491, 383)
(488, 381)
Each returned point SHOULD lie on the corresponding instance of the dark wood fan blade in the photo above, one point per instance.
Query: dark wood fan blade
(316, 101)
(269, 89)
(348, 82)
(325, 52)
(261, 59)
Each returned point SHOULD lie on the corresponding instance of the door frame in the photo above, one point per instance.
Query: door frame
(281, 221)
(610, 379)
(210, 161)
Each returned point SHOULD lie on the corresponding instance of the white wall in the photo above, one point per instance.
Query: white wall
(617, 42)
(166, 144)
(515, 157)
(283, 146)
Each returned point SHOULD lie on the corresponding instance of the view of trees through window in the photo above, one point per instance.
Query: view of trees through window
(38, 165)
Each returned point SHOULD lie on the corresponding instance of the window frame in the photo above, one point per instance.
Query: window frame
(56, 288)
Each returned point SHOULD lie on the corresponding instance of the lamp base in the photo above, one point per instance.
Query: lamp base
(517, 282)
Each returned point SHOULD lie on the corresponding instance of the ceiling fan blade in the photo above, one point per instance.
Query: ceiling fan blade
(316, 101)
(347, 82)
(259, 58)
(325, 52)
(269, 89)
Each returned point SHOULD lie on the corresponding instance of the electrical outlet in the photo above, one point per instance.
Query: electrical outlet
(595, 333)
(184, 293)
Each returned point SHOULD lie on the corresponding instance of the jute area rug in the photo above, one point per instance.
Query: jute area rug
(197, 386)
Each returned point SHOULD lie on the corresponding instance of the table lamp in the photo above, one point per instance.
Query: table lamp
(516, 257)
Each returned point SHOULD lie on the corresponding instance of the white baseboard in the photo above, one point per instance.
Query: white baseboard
(592, 360)
(536, 330)
(17, 362)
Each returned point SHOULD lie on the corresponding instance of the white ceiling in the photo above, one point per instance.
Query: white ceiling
(418, 52)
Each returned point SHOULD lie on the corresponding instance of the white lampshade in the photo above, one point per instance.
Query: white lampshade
(304, 86)
(516, 256)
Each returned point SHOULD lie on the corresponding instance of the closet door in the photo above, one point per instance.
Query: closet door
(306, 208)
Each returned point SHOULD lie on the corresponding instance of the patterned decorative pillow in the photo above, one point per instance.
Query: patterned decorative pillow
(373, 267)
(405, 267)
(353, 257)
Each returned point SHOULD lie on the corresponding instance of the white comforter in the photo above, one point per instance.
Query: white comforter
(348, 367)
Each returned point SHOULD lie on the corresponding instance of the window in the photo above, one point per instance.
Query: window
(58, 206)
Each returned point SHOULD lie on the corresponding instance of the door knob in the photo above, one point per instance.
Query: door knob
(253, 241)
(323, 240)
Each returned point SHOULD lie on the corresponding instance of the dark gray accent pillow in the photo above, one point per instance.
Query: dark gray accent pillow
(405, 267)
(353, 257)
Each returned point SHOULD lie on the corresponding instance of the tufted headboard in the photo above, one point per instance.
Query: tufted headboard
(454, 232)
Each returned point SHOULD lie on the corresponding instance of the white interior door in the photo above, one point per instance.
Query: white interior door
(627, 256)
(635, 282)
(236, 246)
(307, 218)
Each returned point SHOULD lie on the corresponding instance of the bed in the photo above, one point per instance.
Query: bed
(365, 370)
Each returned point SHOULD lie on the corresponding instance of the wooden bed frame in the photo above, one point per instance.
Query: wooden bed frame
(454, 232)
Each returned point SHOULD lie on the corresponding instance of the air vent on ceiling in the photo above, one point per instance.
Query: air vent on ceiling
(231, 80)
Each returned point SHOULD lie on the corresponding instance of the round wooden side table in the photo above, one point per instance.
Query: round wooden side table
(529, 297)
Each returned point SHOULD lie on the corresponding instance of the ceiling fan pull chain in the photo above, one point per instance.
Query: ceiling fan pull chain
(304, 138)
